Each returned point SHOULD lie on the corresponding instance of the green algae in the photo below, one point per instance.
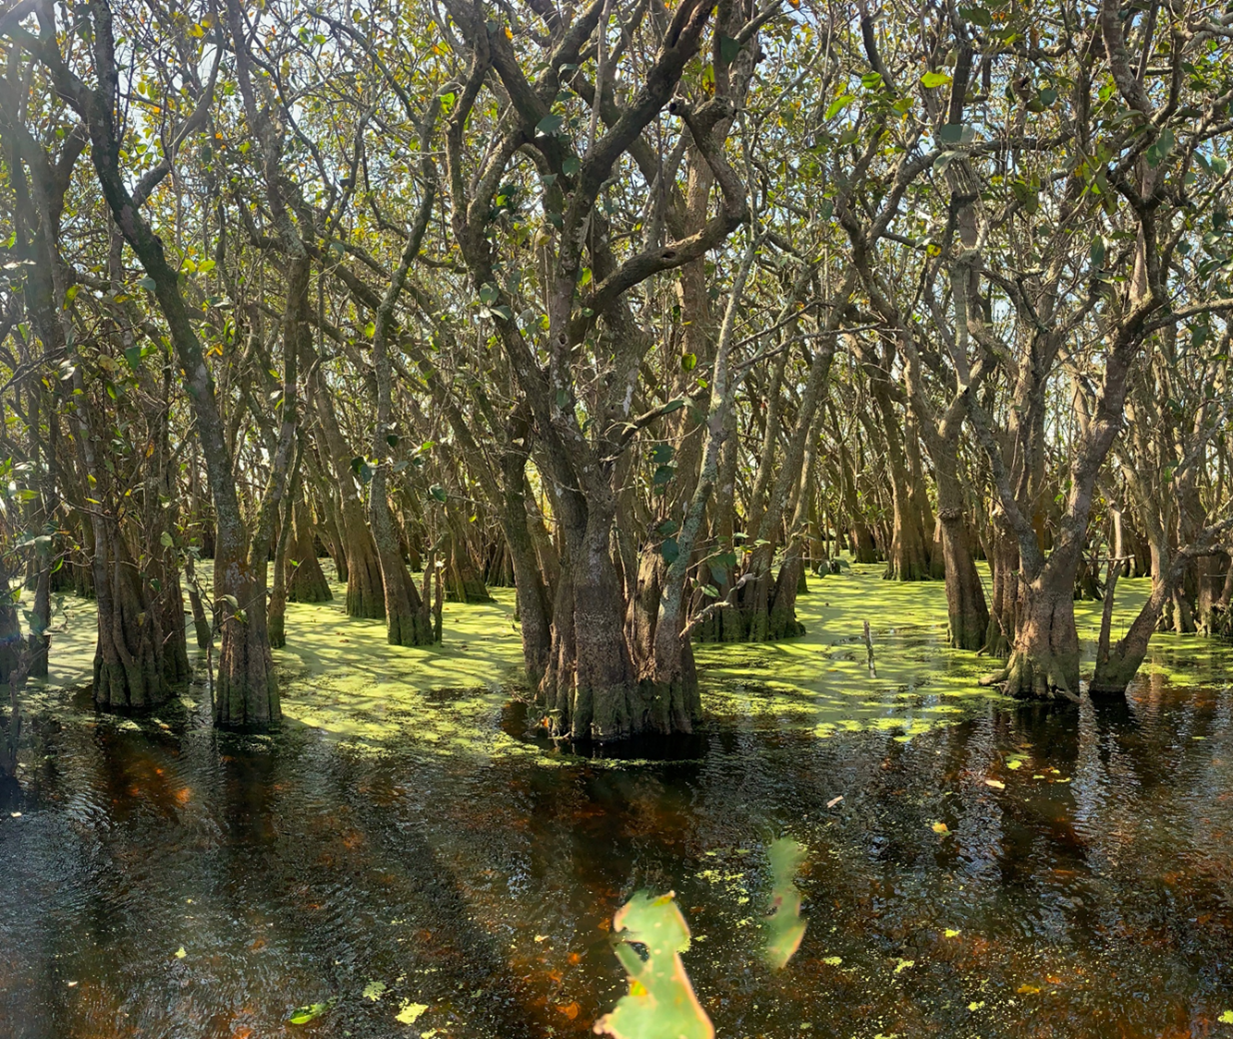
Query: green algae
(342, 678)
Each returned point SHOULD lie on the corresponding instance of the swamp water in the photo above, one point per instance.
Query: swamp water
(405, 852)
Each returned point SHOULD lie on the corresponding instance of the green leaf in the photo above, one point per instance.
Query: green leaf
(977, 16)
(729, 48)
(550, 125)
(132, 354)
(503, 312)
(70, 294)
(689, 362)
(571, 165)
(147, 283)
(670, 550)
(165, 539)
(667, 528)
(955, 133)
(661, 1001)
(437, 491)
(1098, 251)
(488, 294)
(872, 81)
(391, 439)
(838, 105)
(934, 79)
(1160, 148)
(310, 1012)
(783, 930)
(661, 454)
(663, 474)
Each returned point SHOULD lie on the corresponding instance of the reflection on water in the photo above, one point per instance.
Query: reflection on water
(1024, 872)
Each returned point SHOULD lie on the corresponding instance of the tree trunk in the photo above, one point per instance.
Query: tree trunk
(966, 609)
(306, 581)
(530, 592)
(365, 589)
(1044, 659)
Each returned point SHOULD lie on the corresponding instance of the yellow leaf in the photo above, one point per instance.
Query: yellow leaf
(997, 784)
(940, 828)
(508, 33)
(410, 1012)
(181, 953)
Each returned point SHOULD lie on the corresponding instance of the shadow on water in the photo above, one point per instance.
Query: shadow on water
(1026, 871)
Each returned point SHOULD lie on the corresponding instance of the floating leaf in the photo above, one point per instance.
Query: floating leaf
(784, 929)
(661, 1001)
(409, 1013)
(310, 1012)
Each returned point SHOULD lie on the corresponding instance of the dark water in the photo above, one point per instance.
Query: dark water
(1091, 896)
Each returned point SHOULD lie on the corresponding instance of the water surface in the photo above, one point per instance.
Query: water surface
(991, 870)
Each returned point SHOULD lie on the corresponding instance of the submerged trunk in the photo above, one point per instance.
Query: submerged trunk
(306, 580)
(408, 619)
(1003, 555)
(128, 657)
(1116, 665)
(591, 690)
(246, 694)
(531, 595)
(966, 608)
(1044, 658)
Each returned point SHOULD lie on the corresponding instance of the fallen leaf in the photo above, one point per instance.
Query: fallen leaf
(834, 801)
(1027, 990)
(950, 932)
(410, 1012)
(904, 965)
(997, 784)
(541, 937)
(940, 828)
(1226, 1018)
(181, 953)
(15, 815)
(833, 961)
(374, 990)
(1016, 764)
